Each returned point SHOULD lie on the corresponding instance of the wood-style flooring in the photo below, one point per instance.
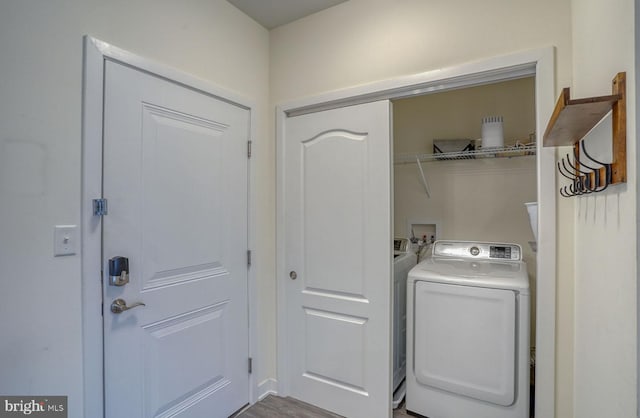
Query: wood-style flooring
(275, 406)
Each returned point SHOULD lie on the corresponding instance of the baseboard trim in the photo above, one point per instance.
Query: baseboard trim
(267, 387)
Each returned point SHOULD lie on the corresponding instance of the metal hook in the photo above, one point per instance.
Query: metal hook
(573, 191)
(576, 157)
(594, 171)
(584, 149)
(607, 167)
(585, 180)
(564, 193)
(580, 182)
(574, 167)
(575, 187)
(570, 177)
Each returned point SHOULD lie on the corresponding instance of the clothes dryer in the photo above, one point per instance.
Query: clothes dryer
(468, 332)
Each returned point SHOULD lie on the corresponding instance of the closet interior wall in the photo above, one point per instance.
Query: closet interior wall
(475, 199)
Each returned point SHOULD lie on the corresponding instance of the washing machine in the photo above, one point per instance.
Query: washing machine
(468, 332)
(404, 259)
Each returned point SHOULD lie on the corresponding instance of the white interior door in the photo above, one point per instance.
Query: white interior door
(175, 176)
(337, 204)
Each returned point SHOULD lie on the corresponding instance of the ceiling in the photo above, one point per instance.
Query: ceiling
(273, 13)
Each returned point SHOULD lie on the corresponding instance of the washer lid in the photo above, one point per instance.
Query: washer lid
(468, 272)
(401, 257)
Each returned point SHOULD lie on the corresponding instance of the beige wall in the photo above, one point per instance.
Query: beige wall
(605, 225)
(40, 122)
(565, 308)
(480, 199)
(363, 41)
(458, 114)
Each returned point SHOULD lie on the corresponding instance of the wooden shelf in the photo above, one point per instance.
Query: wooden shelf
(573, 119)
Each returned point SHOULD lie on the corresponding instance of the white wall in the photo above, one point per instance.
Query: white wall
(362, 41)
(40, 148)
(605, 225)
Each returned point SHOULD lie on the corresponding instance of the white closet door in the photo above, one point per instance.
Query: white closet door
(338, 249)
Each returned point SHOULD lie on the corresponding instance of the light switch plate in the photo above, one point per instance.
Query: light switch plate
(65, 240)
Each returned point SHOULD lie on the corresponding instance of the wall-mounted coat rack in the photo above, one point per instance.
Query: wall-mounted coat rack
(571, 121)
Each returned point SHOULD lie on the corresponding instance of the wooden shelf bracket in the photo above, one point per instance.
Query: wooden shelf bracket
(571, 120)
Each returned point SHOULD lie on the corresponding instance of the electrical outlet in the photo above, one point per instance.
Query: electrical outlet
(65, 240)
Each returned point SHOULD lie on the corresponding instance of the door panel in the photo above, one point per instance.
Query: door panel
(323, 330)
(175, 175)
(336, 212)
(181, 155)
(338, 229)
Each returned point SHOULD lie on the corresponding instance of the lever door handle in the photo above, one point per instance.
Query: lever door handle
(119, 305)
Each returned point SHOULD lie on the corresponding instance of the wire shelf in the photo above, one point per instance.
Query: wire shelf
(504, 152)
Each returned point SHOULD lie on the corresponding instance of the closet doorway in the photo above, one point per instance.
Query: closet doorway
(538, 64)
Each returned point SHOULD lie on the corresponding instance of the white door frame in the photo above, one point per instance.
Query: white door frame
(96, 52)
(539, 63)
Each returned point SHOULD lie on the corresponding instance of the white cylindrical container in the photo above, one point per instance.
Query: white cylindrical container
(492, 132)
(532, 208)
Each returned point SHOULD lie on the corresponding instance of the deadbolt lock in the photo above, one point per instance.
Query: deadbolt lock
(118, 271)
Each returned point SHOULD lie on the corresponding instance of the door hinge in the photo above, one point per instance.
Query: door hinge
(248, 149)
(100, 207)
(250, 365)
(248, 258)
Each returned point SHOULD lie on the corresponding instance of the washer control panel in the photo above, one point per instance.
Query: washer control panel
(479, 250)
(500, 251)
